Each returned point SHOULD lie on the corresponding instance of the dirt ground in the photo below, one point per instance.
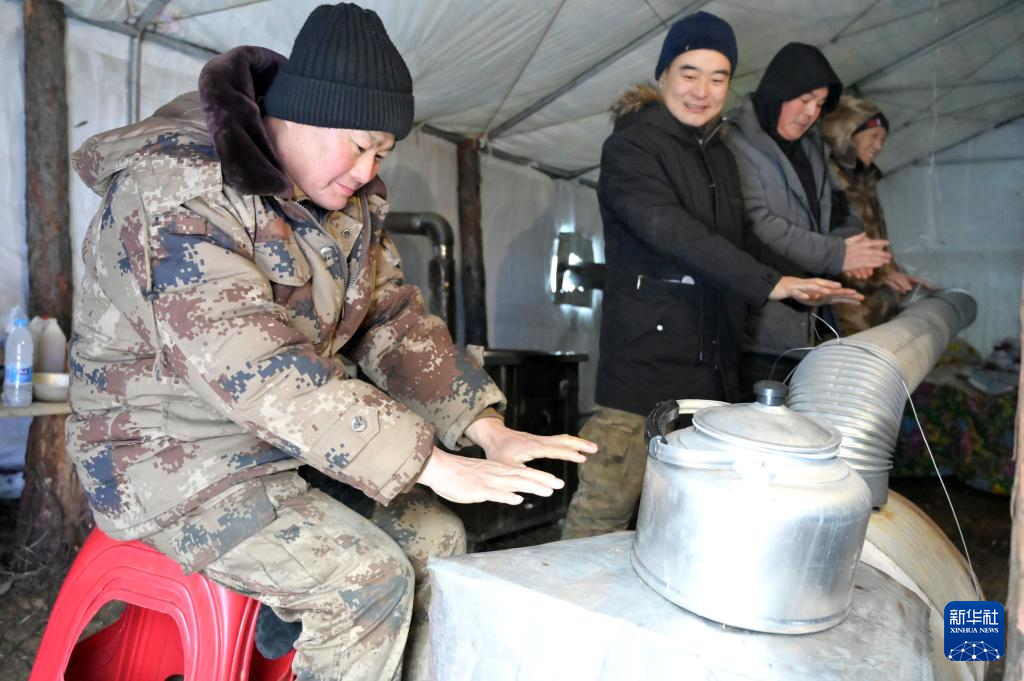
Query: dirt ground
(26, 596)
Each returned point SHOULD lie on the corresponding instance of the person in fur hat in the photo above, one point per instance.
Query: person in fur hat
(679, 279)
(857, 131)
(239, 253)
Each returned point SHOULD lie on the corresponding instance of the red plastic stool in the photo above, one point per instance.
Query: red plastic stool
(172, 625)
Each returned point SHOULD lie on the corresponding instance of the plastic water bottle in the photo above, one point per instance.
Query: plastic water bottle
(18, 365)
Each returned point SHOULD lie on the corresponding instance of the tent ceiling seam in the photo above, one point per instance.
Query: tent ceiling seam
(936, 97)
(903, 17)
(839, 34)
(526, 65)
(859, 31)
(226, 8)
(587, 73)
(664, 24)
(957, 113)
(577, 119)
(897, 89)
(936, 44)
(553, 172)
(963, 140)
(972, 161)
(148, 16)
(171, 43)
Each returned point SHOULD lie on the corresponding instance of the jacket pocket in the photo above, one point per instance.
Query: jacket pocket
(342, 443)
(659, 322)
(282, 262)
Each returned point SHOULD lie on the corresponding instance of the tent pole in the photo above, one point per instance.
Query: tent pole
(474, 290)
(139, 25)
(47, 211)
(53, 515)
(134, 86)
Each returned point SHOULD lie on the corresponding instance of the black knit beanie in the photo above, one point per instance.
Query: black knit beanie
(698, 31)
(343, 72)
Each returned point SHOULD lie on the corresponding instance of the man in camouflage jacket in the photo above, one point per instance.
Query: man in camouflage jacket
(239, 248)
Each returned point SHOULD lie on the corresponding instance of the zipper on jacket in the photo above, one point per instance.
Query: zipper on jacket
(701, 141)
(718, 330)
(700, 325)
(343, 264)
(713, 186)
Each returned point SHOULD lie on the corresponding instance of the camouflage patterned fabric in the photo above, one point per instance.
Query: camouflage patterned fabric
(207, 329)
(610, 483)
(349, 581)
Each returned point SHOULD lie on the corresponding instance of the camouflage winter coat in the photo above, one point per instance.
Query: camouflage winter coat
(210, 319)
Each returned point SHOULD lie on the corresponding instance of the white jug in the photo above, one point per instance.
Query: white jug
(52, 348)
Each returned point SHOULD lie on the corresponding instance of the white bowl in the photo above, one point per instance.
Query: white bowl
(50, 387)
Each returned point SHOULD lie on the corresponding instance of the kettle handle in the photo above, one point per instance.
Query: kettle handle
(665, 414)
(661, 450)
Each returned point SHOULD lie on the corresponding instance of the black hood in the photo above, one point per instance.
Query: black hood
(795, 69)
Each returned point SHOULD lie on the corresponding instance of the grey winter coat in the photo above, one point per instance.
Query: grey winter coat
(777, 206)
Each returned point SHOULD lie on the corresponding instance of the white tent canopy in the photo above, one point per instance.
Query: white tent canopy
(533, 79)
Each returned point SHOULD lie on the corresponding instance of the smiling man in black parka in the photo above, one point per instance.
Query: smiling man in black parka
(678, 278)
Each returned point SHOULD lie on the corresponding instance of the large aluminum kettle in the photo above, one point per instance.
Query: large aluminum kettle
(748, 517)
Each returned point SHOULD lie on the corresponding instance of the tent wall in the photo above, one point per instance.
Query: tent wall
(959, 221)
(14, 273)
(97, 62)
(927, 206)
(524, 211)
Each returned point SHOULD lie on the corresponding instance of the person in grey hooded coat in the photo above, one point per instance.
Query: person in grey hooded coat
(787, 194)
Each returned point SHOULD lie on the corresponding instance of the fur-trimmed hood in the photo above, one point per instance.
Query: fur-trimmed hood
(643, 103)
(634, 99)
(230, 89)
(838, 127)
(221, 123)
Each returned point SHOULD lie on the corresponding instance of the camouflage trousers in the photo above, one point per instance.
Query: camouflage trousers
(611, 480)
(357, 585)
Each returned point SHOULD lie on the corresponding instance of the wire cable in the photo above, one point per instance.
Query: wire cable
(873, 352)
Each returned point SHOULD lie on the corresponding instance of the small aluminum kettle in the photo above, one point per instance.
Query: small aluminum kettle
(748, 517)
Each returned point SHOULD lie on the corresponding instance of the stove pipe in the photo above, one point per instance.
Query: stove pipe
(857, 383)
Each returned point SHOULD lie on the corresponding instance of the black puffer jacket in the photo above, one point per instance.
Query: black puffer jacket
(678, 281)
